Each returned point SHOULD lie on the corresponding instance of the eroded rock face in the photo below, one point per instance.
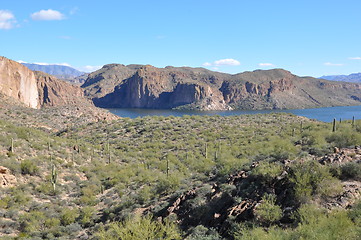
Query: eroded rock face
(19, 82)
(54, 92)
(151, 88)
(137, 86)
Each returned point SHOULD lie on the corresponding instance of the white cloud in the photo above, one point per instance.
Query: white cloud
(227, 62)
(223, 62)
(266, 65)
(355, 58)
(7, 19)
(89, 68)
(47, 15)
(333, 64)
(61, 64)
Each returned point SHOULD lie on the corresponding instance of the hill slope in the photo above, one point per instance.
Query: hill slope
(206, 177)
(137, 86)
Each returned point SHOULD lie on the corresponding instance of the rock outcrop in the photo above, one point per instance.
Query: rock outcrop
(19, 82)
(21, 88)
(36, 89)
(6, 178)
(150, 88)
(54, 92)
(241, 194)
(137, 86)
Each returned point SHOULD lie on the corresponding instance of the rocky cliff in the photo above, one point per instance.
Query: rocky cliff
(21, 88)
(136, 86)
(19, 82)
(54, 92)
(150, 88)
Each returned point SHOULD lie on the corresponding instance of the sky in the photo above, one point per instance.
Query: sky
(308, 38)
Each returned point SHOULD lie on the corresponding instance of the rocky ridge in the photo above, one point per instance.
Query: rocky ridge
(137, 86)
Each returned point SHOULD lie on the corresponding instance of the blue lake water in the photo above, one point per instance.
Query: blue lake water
(321, 114)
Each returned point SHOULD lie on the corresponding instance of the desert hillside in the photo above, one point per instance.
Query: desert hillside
(69, 170)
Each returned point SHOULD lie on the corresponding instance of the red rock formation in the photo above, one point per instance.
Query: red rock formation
(18, 82)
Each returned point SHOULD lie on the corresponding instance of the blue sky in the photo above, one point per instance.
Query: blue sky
(308, 38)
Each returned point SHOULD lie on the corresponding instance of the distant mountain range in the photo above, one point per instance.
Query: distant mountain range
(355, 77)
(60, 71)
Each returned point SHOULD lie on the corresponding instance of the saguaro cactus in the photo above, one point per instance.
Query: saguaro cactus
(11, 149)
(205, 150)
(167, 167)
(54, 177)
(108, 149)
(334, 125)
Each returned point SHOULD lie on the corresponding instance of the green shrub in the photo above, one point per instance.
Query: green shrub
(202, 233)
(167, 184)
(355, 213)
(139, 228)
(329, 187)
(29, 167)
(32, 221)
(345, 138)
(258, 233)
(314, 223)
(267, 211)
(45, 188)
(351, 170)
(308, 178)
(268, 170)
(318, 224)
(86, 216)
(68, 216)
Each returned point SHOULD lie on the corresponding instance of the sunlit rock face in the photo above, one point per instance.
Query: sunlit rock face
(19, 82)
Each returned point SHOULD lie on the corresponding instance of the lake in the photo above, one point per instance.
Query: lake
(321, 114)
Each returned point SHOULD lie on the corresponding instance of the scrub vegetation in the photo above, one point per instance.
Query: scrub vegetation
(274, 176)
